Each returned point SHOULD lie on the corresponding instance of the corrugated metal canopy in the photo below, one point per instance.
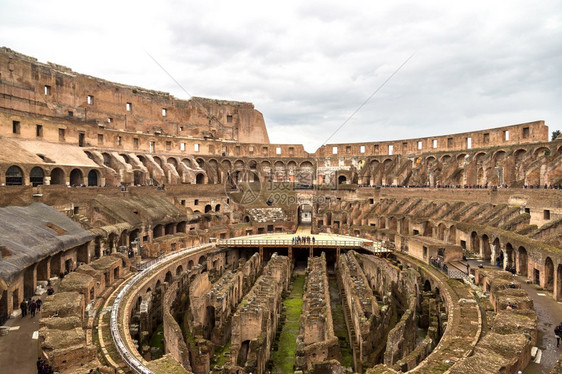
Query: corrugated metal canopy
(34, 232)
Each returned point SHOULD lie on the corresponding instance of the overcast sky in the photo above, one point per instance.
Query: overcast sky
(308, 65)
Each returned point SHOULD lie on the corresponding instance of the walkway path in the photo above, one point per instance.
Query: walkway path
(18, 349)
(284, 358)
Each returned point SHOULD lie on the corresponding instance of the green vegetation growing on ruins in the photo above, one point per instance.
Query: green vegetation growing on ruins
(284, 357)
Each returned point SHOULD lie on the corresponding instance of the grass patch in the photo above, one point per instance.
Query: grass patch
(157, 341)
(284, 358)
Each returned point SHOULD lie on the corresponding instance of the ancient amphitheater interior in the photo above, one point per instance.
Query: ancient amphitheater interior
(170, 236)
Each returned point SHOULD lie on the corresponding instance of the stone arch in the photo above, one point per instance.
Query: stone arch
(461, 156)
(540, 151)
(519, 155)
(158, 161)
(441, 231)
(168, 277)
(76, 177)
(486, 253)
(158, 284)
(181, 226)
(499, 155)
(428, 228)
(208, 208)
(106, 159)
(179, 270)
(14, 176)
(93, 178)
(190, 265)
(558, 295)
(57, 176)
(200, 178)
(522, 261)
(548, 274)
(200, 162)
(480, 156)
(452, 236)
(342, 179)
(474, 242)
(509, 256)
(36, 176)
(217, 208)
(202, 260)
(445, 158)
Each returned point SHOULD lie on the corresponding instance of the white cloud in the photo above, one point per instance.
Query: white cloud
(308, 66)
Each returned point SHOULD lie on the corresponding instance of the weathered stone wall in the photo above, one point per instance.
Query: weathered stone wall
(57, 91)
(255, 322)
(367, 322)
(316, 342)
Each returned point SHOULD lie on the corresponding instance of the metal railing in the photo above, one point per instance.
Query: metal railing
(289, 242)
(134, 363)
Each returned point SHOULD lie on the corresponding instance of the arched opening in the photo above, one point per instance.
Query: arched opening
(243, 353)
(169, 229)
(199, 179)
(548, 274)
(57, 176)
(14, 176)
(558, 295)
(181, 227)
(157, 231)
(168, 277)
(202, 260)
(441, 231)
(428, 229)
(208, 208)
(93, 180)
(217, 208)
(474, 242)
(510, 261)
(209, 322)
(158, 284)
(179, 270)
(427, 286)
(76, 177)
(36, 176)
(342, 179)
(522, 261)
(452, 237)
(138, 177)
(190, 265)
(486, 251)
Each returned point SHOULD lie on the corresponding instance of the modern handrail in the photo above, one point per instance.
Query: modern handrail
(135, 364)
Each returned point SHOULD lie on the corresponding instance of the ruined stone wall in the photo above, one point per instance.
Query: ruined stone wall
(506, 347)
(254, 324)
(316, 342)
(57, 91)
(507, 135)
(402, 287)
(225, 295)
(367, 323)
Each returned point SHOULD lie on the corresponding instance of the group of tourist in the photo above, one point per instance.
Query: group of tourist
(304, 240)
(439, 263)
(470, 186)
(43, 367)
(31, 306)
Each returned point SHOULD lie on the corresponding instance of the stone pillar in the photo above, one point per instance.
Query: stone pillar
(311, 252)
(291, 253)
(261, 253)
(493, 254)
